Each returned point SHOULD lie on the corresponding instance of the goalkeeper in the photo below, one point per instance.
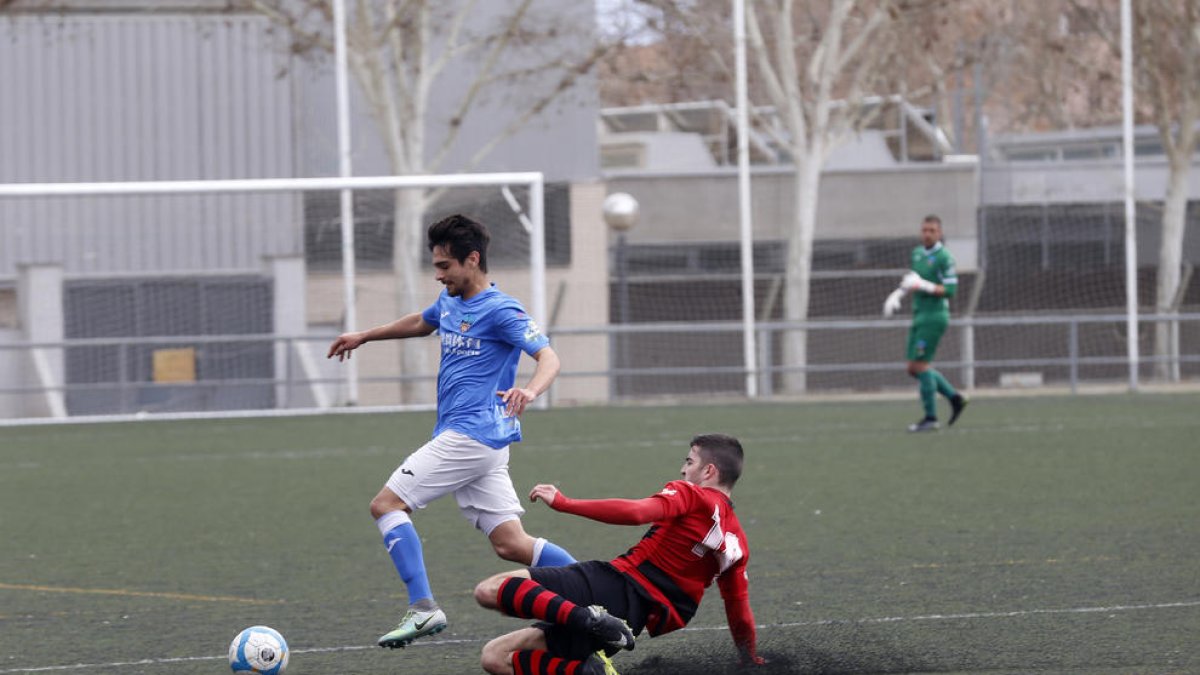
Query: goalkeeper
(932, 281)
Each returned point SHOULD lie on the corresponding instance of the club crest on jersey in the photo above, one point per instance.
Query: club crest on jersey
(532, 332)
(465, 322)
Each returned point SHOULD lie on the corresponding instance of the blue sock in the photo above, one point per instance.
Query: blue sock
(404, 546)
(549, 554)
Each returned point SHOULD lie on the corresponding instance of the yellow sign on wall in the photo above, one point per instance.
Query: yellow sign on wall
(175, 365)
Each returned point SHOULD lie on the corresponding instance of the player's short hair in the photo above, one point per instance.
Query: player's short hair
(723, 452)
(460, 235)
(932, 218)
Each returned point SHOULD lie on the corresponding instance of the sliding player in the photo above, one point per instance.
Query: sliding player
(588, 611)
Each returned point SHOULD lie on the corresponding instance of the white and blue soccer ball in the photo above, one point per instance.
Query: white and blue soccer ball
(258, 649)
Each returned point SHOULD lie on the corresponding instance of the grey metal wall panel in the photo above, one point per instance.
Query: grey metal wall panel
(137, 97)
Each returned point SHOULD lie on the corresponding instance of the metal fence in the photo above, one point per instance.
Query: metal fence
(273, 374)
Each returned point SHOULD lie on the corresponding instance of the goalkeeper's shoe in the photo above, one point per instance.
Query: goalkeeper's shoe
(609, 633)
(957, 404)
(415, 624)
(925, 424)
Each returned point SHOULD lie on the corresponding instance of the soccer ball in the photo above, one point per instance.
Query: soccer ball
(258, 649)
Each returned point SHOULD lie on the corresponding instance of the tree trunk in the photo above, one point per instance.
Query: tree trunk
(798, 276)
(1170, 259)
(408, 256)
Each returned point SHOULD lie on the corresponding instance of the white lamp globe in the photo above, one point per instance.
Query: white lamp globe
(620, 211)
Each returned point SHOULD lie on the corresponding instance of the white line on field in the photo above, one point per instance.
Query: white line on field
(966, 615)
(794, 624)
(192, 658)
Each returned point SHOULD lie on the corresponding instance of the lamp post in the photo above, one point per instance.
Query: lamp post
(620, 214)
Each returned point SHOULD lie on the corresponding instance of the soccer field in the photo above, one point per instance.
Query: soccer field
(1039, 534)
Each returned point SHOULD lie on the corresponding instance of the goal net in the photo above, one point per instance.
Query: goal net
(1041, 298)
(207, 296)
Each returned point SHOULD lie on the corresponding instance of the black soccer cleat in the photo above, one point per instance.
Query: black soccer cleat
(957, 405)
(609, 632)
(926, 424)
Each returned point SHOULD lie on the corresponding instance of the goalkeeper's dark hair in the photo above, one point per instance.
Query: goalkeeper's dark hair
(459, 236)
(933, 218)
(723, 452)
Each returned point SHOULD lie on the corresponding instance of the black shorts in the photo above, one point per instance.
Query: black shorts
(589, 583)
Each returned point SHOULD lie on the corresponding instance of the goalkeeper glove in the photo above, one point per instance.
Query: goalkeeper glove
(913, 282)
(892, 304)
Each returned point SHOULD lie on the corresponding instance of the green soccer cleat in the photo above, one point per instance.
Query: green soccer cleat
(957, 405)
(415, 624)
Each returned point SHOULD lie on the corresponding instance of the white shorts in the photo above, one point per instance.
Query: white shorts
(477, 475)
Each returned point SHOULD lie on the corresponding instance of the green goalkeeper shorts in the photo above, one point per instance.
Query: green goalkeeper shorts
(924, 335)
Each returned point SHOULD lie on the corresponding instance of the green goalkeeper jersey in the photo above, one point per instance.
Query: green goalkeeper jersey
(936, 265)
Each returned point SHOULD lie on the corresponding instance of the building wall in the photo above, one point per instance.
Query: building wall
(856, 204)
(121, 97)
(1079, 181)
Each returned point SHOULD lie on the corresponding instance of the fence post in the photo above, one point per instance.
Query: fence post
(288, 347)
(1174, 349)
(123, 378)
(968, 356)
(765, 377)
(1073, 353)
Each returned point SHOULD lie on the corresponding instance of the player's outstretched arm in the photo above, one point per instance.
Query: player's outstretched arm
(611, 511)
(410, 325)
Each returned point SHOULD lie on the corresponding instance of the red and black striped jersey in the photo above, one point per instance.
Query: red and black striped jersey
(697, 541)
(694, 539)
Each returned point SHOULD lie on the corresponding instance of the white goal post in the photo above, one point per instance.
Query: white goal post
(531, 217)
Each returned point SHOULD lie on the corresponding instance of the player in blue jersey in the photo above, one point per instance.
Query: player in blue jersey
(483, 332)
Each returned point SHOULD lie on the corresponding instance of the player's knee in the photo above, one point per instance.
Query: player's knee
(378, 508)
(511, 550)
(485, 592)
(495, 658)
(386, 503)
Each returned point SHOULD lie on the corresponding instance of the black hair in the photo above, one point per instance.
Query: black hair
(459, 236)
(723, 452)
(932, 218)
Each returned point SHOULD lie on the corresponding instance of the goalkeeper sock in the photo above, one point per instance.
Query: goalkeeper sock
(943, 385)
(404, 547)
(928, 390)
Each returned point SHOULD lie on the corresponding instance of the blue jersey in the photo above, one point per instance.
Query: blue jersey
(482, 340)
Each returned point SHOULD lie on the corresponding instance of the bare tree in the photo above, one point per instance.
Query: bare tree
(1166, 45)
(398, 50)
(1167, 61)
(817, 67)
(823, 66)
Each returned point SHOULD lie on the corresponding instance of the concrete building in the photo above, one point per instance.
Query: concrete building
(180, 90)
